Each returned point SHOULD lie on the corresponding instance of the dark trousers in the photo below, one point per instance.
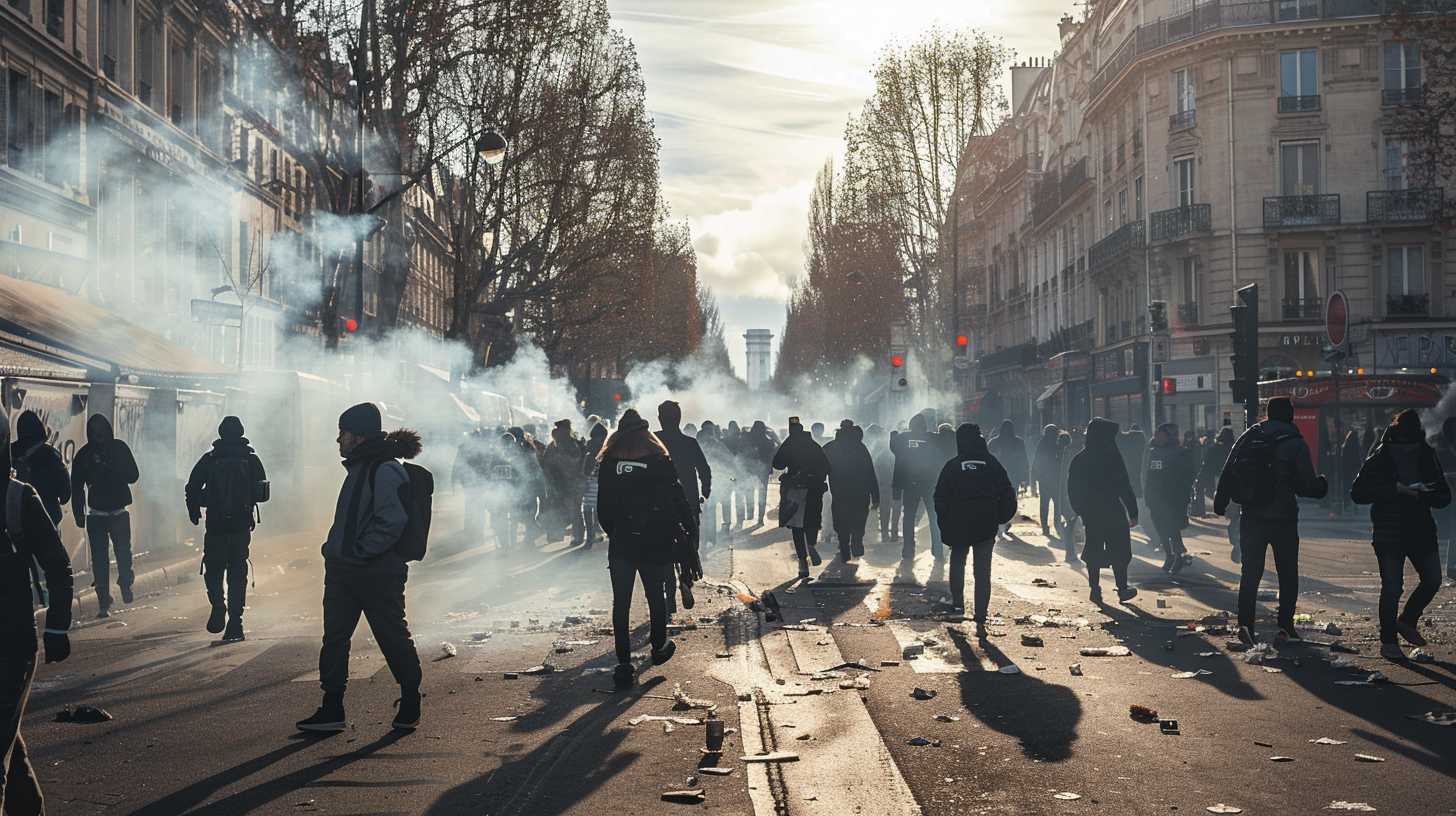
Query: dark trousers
(1234, 514)
(225, 558)
(889, 517)
(1172, 536)
(19, 787)
(760, 498)
(377, 592)
(574, 517)
(624, 578)
(913, 500)
(1392, 584)
(850, 539)
(1256, 536)
(982, 576)
(805, 539)
(105, 533)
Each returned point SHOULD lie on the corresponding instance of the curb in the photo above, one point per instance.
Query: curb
(173, 573)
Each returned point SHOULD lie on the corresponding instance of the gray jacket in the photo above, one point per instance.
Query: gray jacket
(379, 515)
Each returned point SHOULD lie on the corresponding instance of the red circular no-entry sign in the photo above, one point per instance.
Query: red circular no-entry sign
(1337, 318)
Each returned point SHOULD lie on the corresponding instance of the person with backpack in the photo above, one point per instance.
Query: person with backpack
(801, 492)
(1403, 482)
(645, 513)
(1167, 485)
(917, 466)
(973, 498)
(380, 523)
(1044, 470)
(39, 464)
(229, 481)
(1100, 493)
(29, 537)
(101, 478)
(854, 488)
(1267, 472)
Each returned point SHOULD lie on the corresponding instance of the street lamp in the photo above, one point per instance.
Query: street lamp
(491, 146)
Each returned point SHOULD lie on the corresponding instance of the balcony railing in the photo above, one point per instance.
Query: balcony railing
(1408, 305)
(1219, 15)
(1416, 206)
(1182, 120)
(1307, 103)
(1125, 239)
(1188, 314)
(1392, 97)
(1170, 225)
(1301, 210)
(1303, 308)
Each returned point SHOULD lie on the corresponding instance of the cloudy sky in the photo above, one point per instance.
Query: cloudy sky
(750, 98)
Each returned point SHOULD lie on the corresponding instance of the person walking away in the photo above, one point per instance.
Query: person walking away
(917, 466)
(854, 486)
(101, 478)
(562, 463)
(595, 439)
(29, 537)
(1193, 452)
(1010, 450)
(801, 492)
(1214, 461)
(1403, 482)
(229, 481)
(645, 513)
(468, 475)
(1351, 460)
(1446, 453)
(696, 479)
(889, 507)
(973, 498)
(1167, 485)
(505, 465)
(39, 464)
(757, 464)
(1044, 470)
(1133, 446)
(363, 571)
(1076, 443)
(1209, 464)
(1101, 494)
(710, 439)
(1267, 472)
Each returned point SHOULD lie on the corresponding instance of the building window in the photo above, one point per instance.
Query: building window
(1183, 181)
(1190, 286)
(1122, 206)
(146, 58)
(20, 124)
(1299, 168)
(1402, 72)
(58, 144)
(1298, 81)
(1397, 164)
(1137, 188)
(1301, 283)
(1298, 9)
(55, 18)
(1406, 280)
(108, 23)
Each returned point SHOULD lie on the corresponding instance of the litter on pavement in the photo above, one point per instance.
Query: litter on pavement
(1142, 713)
(1188, 675)
(1435, 717)
(83, 715)
(922, 741)
(1105, 651)
(1032, 640)
(1340, 804)
(947, 718)
(1067, 796)
(1075, 669)
(1368, 758)
(1222, 808)
(447, 651)
(1326, 741)
(777, 756)
(686, 797)
(642, 718)
(923, 694)
(1257, 654)
(1281, 759)
(511, 718)
(717, 771)
(682, 702)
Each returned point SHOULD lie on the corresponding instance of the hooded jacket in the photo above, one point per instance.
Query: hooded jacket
(1045, 465)
(973, 495)
(693, 472)
(918, 458)
(643, 510)
(103, 473)
(851, 470)
(39, 464)
(806, 468)
(1133, 445)
(1296, 476)
(39, 543)
(225, 448)
(1167, 481)
(1402, 524)
(1010, 450)
(369, 516)
(1097, 485)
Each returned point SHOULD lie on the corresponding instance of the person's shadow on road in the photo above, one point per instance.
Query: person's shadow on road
(1042, 716)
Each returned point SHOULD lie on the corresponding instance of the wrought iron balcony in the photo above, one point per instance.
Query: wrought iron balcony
(1182, 120)
(1125, 239)
(1408, 305)
(1188, 314)
(1392, 97)
(1414, 206)
(1303, 308)
(1301, 210)
(1308, 103)
(1179, 222)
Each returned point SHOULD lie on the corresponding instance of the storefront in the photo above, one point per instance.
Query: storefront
(1188, 394)
(1119, 385)
(1363, 401)
(1065, 401)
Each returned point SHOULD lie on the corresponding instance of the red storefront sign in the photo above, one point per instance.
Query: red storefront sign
(1413, 392)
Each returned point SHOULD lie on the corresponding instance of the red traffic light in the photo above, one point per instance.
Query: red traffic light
(1170, 385)
(962, 341)
(897, 360)
(616, 398)
(351, 325)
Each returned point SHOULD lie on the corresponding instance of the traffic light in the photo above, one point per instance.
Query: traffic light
(1158, 315)
(899, 380)
(963, 342)
(348, 325)
(1245, 340)
(1170, 385)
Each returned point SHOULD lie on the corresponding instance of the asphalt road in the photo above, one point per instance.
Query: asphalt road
(202, 727)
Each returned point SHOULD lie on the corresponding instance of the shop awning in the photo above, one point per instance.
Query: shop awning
(50, 321)
(1049, 392)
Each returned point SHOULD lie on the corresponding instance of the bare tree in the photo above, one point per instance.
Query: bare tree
(1420, 81)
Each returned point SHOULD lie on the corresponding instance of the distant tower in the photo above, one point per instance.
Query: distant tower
(760, 357)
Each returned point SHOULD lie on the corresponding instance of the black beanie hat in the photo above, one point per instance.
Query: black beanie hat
(631, 421)
(1281, 408)
(362, 420)
(230, 428)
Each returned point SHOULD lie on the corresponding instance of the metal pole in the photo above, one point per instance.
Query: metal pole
(360, 71)
(955, 307)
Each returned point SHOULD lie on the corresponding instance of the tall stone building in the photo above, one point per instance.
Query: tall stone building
(759, 361)
(1173, 152)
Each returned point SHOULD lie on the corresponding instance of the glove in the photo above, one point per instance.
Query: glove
(57, 647)
(195, 515)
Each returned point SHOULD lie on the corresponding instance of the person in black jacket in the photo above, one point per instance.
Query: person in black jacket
(645, 513)
(1403, 482)
(853, 485)
(1167, 484)
(693, 473)
(39, 464)
(229, 481)
(1214, 460)
(1101, 494)
(801, 492)
(1045, 470)
(1270, 520)
(101, 480)
(27, 537)
(917, 465)
(973, 498)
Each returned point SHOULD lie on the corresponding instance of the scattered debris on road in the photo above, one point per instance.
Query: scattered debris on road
(83, 715)
(1188, 675)
(1281, 759)
(1142, 713)
(1435, 717)
(447, 651)
(921, 742)
(1067, 796)
(923, 694)
(1368, 758)
(776, 756)
(1222, 808)
(511, 718)
(682, 702)
(685, 797)
(1105, 651)
(1340, 804)
(717, 771)
(1075, 669)
(1326, 741)
(1032, 640)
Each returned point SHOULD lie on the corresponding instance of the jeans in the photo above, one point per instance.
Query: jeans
(1046, 495)
(116, 529)
(1257, 535)
(913, 500)
(624, 577)
(889, 517)
(982, 576)
(19, 787)
(225, 557)
(377, 591)
(1392, 584)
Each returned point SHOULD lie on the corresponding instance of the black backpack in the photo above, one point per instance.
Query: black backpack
(230, 487)
(417, 494)
(1255, 470)
(21, 466)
